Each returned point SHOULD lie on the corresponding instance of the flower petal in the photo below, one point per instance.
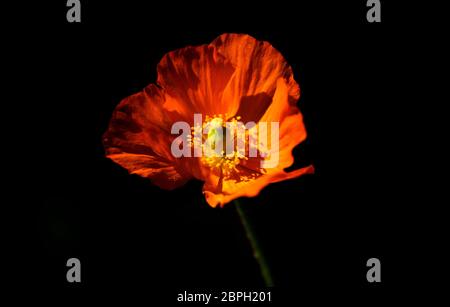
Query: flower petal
(161, 173)
(196, 78)
(258, 67)
(291, 128)
(232, 189)
(133, 138)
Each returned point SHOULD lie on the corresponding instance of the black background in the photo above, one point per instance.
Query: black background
(317, 231)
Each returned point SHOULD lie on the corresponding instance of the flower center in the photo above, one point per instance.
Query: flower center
(222, 143)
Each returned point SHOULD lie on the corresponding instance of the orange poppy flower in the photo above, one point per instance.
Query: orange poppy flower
(236, 77)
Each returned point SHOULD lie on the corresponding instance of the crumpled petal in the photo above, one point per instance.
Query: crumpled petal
(291, 128)
(162, 173)
(196, 77)
(133, 138)
(258, 66)
(232, 190)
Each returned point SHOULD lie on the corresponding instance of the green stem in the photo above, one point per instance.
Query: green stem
(257, 251)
